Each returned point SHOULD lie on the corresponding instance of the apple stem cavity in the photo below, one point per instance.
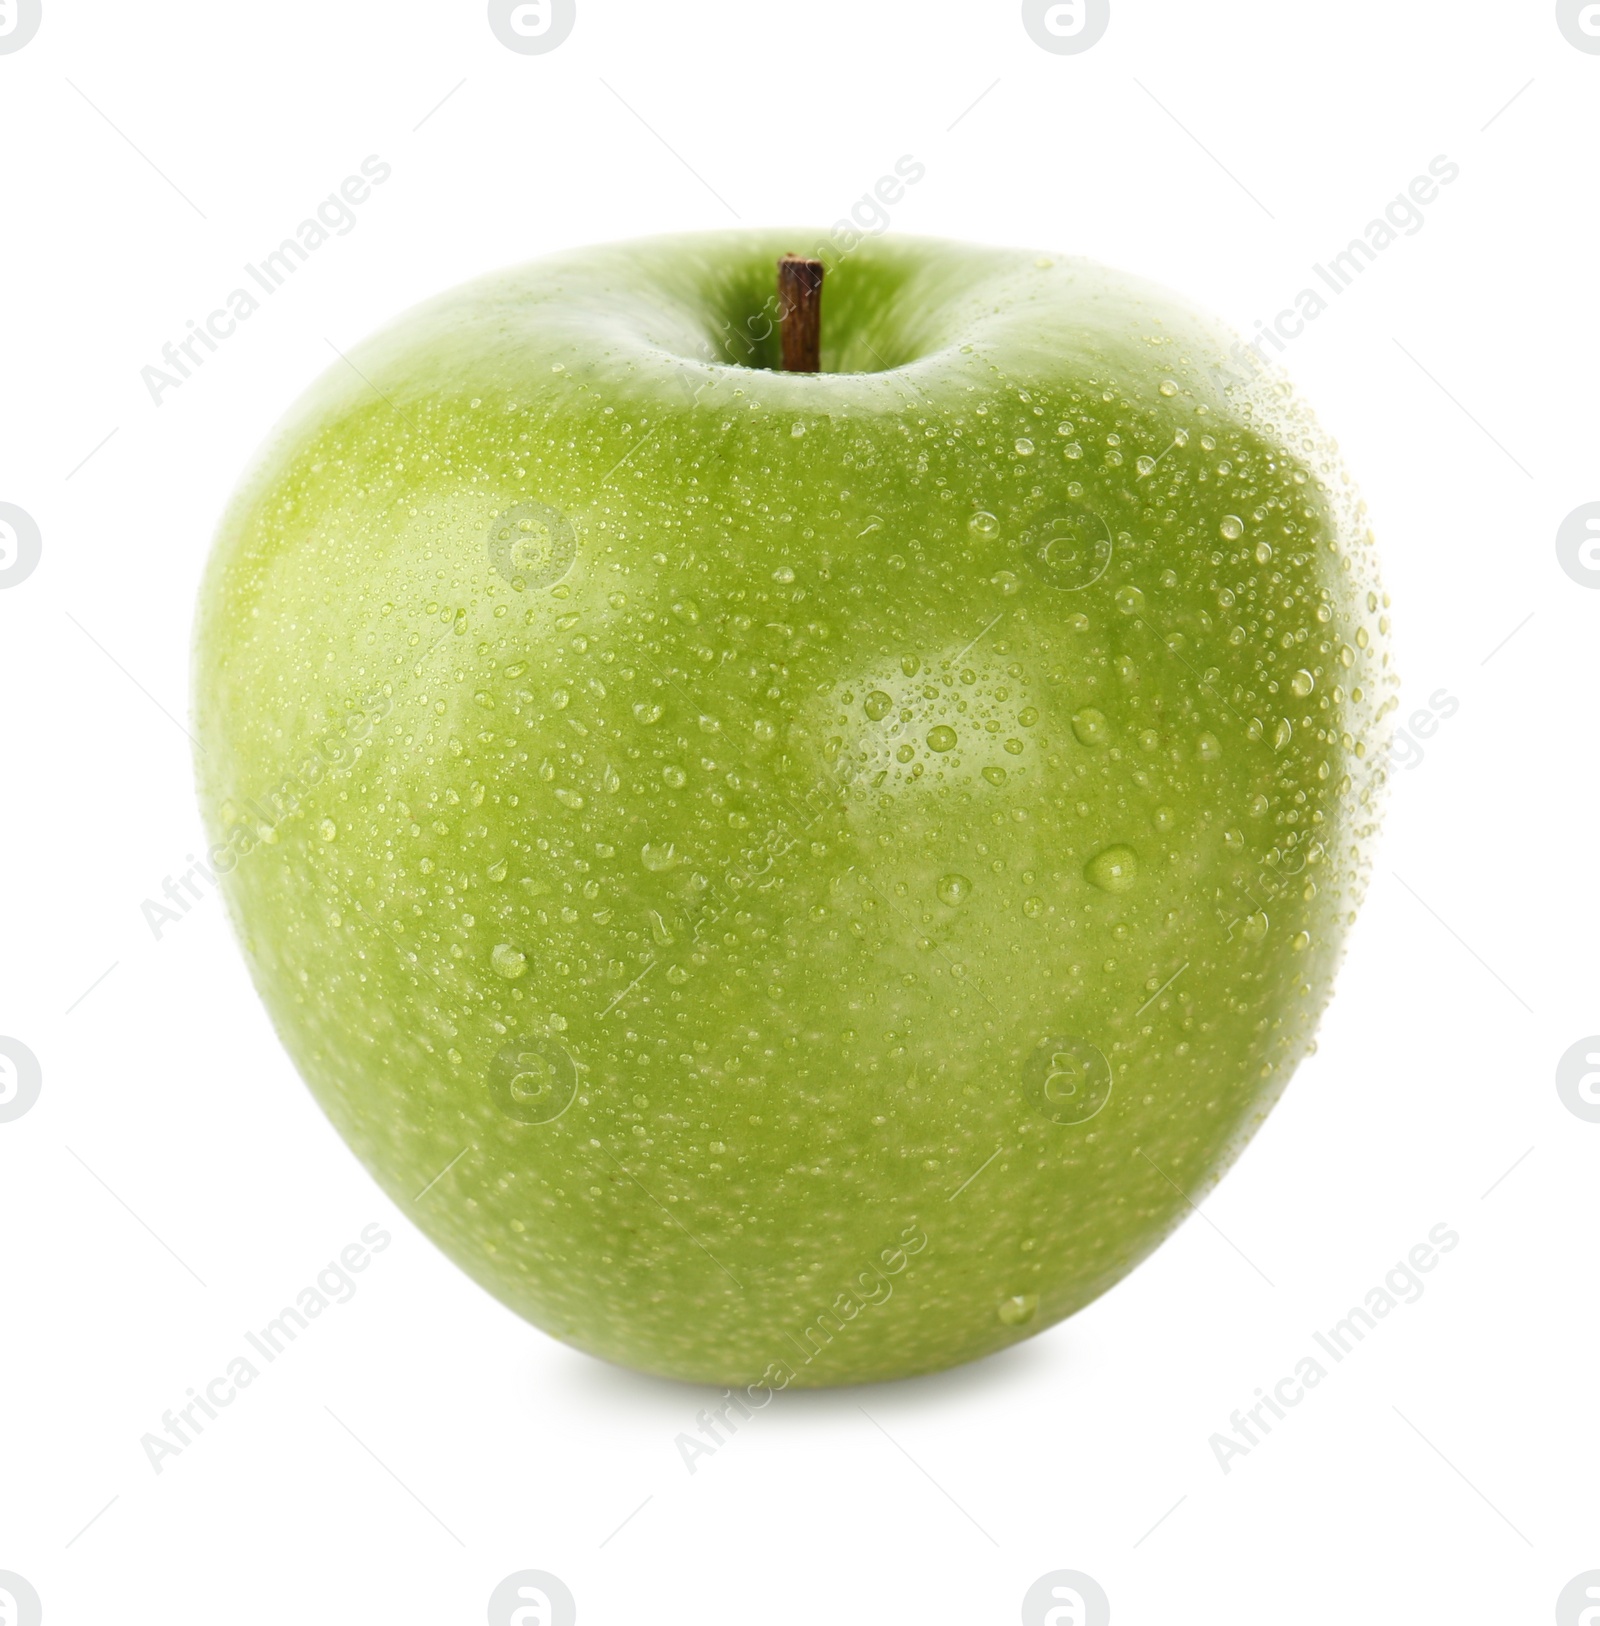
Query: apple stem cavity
(800, 313)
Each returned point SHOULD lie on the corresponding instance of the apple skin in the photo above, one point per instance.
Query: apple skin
(795, 879)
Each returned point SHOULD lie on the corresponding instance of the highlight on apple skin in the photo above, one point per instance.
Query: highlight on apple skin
(795, 878)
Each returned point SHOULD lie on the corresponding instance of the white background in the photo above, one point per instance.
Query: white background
(420, 1442)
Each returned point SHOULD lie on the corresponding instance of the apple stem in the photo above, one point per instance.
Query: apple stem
(800, 313)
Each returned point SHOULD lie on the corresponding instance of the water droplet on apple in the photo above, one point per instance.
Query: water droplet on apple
(497, 870)
(1024, 447)
(1089, 727)
(674, 776)
(942, 738)
(954, 890)
(1114, 870)
(1302, 683)
(1232, 527)
(995, 774)
(1208, 748)
(1033, 907)
(877, 706)
(1019, 1309)
(328, 830)
(658, 857)
(569, 798)
(983, 524)
(647, 712)
(1130, 600)
(687, 611)
(507, 961)
(1168, 388)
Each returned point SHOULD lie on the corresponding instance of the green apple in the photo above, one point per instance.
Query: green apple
(795, 878)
